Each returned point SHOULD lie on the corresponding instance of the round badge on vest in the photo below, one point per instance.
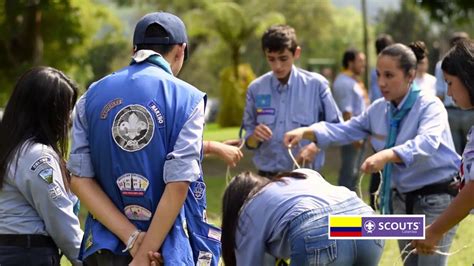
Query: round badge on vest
(133, 128)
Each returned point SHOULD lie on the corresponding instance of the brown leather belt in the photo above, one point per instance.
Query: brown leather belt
(26, 241)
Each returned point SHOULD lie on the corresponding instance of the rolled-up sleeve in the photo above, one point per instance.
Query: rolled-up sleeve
(184, 161)
(80, 163)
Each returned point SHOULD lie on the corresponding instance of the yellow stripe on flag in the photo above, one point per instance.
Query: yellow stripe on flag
(345, 221)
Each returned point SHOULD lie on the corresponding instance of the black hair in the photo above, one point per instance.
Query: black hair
(456, 37)
(419, 49)
(459, 62)
(240, 190)
(382, 41)
(349, 56)
(277, 38)
(38, 109)
(155, 30)
(406, 56)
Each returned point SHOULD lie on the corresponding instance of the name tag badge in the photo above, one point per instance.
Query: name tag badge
(266, 111)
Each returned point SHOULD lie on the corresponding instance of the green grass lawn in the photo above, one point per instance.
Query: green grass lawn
(215, 171)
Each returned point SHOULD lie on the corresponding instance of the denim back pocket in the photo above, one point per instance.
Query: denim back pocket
(320, 250)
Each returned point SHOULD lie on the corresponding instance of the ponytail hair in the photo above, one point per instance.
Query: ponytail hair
(407, 60)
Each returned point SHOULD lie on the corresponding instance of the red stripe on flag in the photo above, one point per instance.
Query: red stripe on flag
(335, 234)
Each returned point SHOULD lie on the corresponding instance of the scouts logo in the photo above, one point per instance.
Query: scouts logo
(137, 212)
(369, 226)
(133, 128)
(199, 188)
(47, 175)
(132, 184)
(263, 100)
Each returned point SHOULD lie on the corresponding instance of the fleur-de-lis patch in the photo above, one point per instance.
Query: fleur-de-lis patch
(133, 128)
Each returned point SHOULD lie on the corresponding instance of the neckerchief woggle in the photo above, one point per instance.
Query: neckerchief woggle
(395, 116)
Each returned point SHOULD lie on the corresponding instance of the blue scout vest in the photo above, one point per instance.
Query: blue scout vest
(140, 111)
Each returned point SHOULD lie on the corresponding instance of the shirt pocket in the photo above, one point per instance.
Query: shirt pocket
(266, 119)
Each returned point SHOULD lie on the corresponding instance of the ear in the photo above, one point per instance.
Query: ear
(297, 53)
(411, 75)
(181, 50)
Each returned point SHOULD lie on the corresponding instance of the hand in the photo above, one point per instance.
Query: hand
(427, 246)
(262, 133)
(155, 258)
(293, 137)
(230, 154)
(376, 162)
(233, 142)
(307, 154)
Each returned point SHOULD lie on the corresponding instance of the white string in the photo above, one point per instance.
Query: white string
(360, 186)
(228, 175)
(437, 251)
(377, 192)
(293, 157)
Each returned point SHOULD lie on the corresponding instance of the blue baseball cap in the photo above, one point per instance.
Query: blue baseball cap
(173, 25)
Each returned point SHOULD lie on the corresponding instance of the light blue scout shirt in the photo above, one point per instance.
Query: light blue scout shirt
(267, 231)
(33, 200)
(305, 100)
(424, 142)
(348, 95)
(468, 157)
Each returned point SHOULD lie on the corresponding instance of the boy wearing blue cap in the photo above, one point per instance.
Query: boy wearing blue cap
(136, 157)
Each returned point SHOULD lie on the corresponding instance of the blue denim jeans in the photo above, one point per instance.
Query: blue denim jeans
(351, 159)
(34, 256)
(310, 245)
(431, 206)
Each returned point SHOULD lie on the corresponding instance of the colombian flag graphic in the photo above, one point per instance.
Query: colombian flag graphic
(345, 226)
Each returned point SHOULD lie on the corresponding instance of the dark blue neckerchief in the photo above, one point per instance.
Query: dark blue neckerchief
(395, 116)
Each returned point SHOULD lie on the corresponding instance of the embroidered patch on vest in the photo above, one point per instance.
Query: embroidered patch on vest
(47, 175)
(204, 258)
(133, 185)
(109, 106)
(159, 116)
(133, 128)
(54, 191)
(214, 234)
(137, 212)
(40, 161)
(199, 189)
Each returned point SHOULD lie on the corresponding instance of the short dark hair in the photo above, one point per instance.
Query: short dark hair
(349, 56)
(459, 62)
(382, 41)
(38, 109)
(155, 30)
(457, 36)
(278, 38)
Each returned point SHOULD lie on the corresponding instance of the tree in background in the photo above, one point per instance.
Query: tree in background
(55, 33)
(234, 25)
